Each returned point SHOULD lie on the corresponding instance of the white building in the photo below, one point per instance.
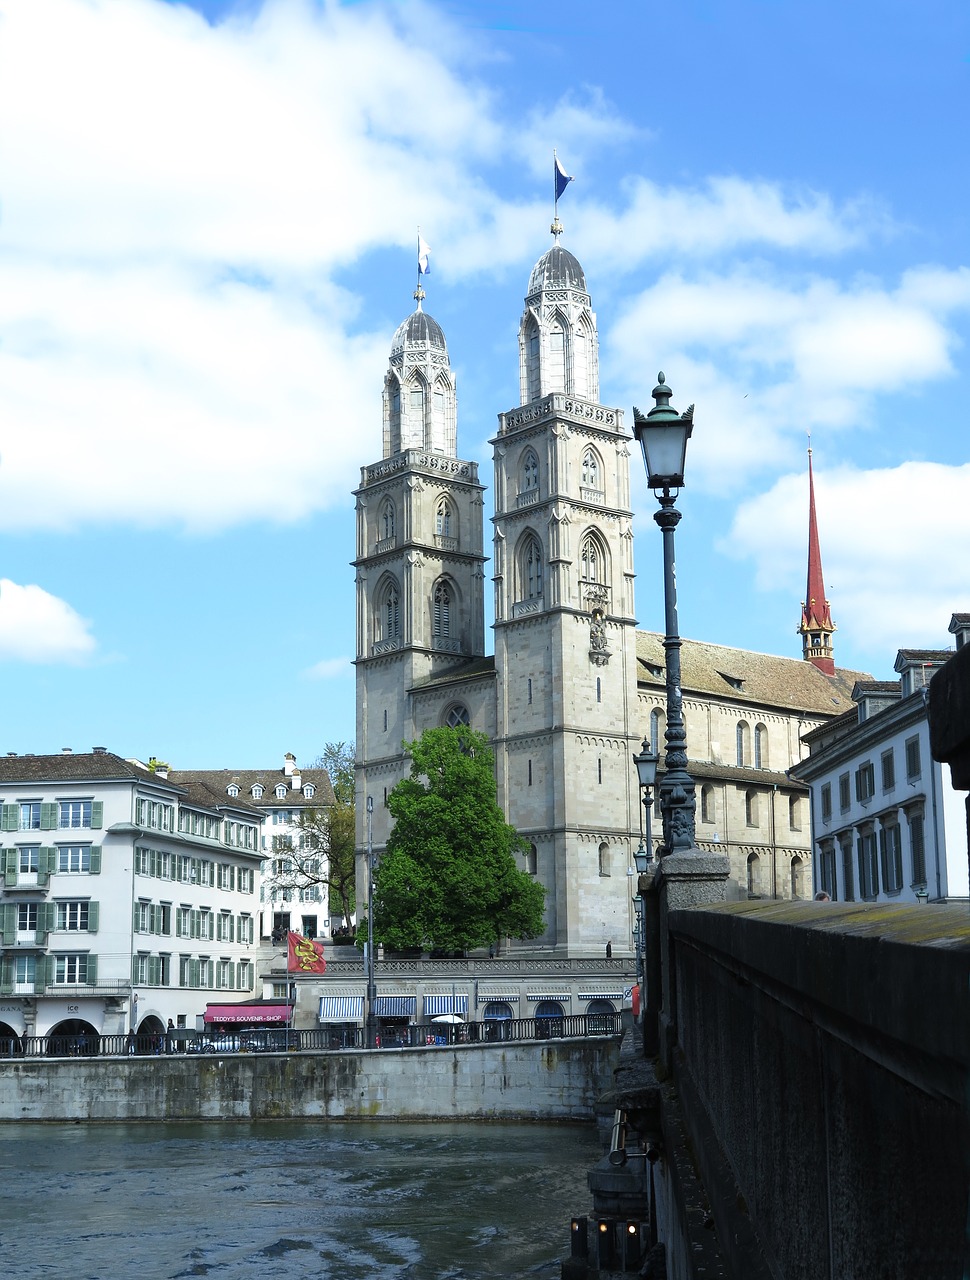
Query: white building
(129, 898)
(573, 686)
(887, 824)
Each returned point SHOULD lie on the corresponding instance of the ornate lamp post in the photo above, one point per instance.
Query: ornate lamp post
(645, 905)
(663, 436)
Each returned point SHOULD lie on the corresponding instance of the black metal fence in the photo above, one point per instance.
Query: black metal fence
(321, 1039)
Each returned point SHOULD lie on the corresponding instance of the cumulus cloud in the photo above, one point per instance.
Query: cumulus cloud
(38, 627)
(891, 577)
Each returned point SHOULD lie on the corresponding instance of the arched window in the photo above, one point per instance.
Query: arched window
(532, 860)
(591, 566)
(760, 747)
(744, 743)
(751, 807)
(443, 518)
(532, 347)
(708, 808)
(796, 877)
(441, 611)
(457, 715)
(530, 471)
(604, 859)
(386, 521)
(389, 613)
(556, 380)
(591, 470)
(658, 725)
(532, 570)
(754, 874)
(794, 813)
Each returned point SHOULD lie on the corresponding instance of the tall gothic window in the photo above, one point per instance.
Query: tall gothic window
(533, 570)
(760, 747)
(387, 520)
(441, 611)
(658, 725)
(744, 743)
(591, 470)
(557, 359)
(591, 560)
(530, 472)
(442, 519)
(389, 614)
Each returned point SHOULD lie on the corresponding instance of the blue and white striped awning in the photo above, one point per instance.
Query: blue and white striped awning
(601, 995)
(395, 1006)
(341, 1008)
(534, 997)
(436, 1005)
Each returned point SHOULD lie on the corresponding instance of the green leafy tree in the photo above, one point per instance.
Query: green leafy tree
(329, 834)
(448, 877)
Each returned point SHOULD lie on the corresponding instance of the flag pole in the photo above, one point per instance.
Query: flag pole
(419, 294)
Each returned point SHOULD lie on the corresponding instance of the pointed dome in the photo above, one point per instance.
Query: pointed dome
(419, 329)
(557, 269)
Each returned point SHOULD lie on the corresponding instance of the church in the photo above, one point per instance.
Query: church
(572, 686)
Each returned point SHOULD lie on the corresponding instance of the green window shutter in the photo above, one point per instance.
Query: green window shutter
(218, 977)
(42, 974)
(6, 976)
(134, 971)
(93, 917)
(10, 862)
(195, 973)
(11, 817)
(92, 969)
(48, 817)
(154, 970)
(44, 858)
(95, 860)
(97, 814)
(8, 923)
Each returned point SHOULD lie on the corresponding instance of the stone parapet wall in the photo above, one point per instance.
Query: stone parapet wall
(822, 1059)
(551, 1081)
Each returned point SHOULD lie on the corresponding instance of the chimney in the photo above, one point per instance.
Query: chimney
(289, 764)
(99, 751)
(67, 751)
(296, 781)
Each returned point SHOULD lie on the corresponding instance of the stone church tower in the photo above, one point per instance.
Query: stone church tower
(420, 583)
(565, 633)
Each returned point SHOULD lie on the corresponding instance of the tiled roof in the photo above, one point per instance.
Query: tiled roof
(923, 655)
(88, 766)
(470, 670)
(879, 687)
(213, 782)
(740, 675)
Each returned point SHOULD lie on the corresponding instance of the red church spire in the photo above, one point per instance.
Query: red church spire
(816, 627)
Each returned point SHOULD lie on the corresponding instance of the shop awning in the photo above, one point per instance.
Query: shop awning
(434, 1005)
(341, 1008)
(536, 996)
(601, 995)
(236, 1013)
(395, 1006)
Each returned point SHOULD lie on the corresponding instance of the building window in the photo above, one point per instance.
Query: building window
(708, 810)
(457, 715)
(827, 876)
(917, 848)
(73, 916)
(530, 472)
(865, 782)
(754, 875)
(441, 611)
(599, 689)
(826, 801)
(388, 616)
(795, 878)
(868, 866)
(590, 560)
(848, 870)
(530, 774)
(71, 970)
(386, 521)
(604, 859)
(30, 815)
(532, 860)
(845, 794)
(751, 807)
(27, 917)
(529, 690)
(280, 793)
(743, 743)
(658, 726)
(28, 860)
(591, 470)
(442, 519)
(760, 747)
(74, 813)
(888, 770)
(913, 767)
(794, 813)
(533, 570)
(891, 855)
(599, 770)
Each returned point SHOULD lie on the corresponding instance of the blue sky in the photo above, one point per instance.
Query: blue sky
(207, 225)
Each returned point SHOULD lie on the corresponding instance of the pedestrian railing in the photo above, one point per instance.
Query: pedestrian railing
(423, 1035)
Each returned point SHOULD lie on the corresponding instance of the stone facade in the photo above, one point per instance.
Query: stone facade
(573, 687)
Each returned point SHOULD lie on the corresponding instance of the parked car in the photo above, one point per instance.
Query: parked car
(223, 1043)
(269, 1040)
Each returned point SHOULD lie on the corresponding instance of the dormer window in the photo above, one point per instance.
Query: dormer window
(281, 791)
(232, 790)
(258, 791)
(736, 682)
(309, 791)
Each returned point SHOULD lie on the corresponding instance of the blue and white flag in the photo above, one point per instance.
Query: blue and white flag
(562, 178)
(424, 256)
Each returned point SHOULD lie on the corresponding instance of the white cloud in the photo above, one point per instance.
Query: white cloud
(895, 546)
(329, 669)
(38, 627)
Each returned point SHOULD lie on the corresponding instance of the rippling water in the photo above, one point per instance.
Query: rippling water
(401, 1202)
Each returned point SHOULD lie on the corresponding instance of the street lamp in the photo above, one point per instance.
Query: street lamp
(646, 762)
(371, 1033)
(645, 905)
(663, 434)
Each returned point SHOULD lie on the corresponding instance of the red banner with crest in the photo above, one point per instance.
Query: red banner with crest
(304, 955)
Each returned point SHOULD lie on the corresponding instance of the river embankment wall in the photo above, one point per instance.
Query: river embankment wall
(558, 1080)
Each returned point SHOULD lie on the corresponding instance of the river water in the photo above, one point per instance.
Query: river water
(294, 1200)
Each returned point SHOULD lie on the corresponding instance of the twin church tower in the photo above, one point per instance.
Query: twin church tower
(558, 699)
